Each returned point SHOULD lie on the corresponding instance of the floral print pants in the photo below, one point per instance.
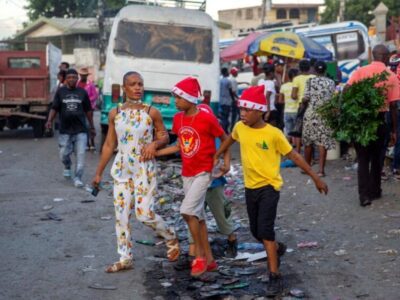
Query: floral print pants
(137, 194)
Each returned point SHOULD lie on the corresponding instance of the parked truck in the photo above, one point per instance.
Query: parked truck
(27, 79)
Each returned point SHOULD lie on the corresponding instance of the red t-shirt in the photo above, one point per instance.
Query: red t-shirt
(196, 137)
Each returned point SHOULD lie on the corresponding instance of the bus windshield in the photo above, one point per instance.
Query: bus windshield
(164, 41)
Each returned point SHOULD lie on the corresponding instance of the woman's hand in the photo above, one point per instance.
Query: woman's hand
(96, 180)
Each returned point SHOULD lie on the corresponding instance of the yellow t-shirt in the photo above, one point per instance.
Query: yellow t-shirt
(261, 150)
(291, 105)
(300, 83)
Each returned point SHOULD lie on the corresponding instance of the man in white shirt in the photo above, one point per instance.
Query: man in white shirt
(271, 116)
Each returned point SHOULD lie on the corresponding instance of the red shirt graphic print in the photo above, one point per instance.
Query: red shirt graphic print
(196, 138)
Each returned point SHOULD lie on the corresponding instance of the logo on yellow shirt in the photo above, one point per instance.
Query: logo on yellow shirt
(263, 145)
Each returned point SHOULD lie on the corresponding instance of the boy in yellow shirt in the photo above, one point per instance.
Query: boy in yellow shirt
(261, 148)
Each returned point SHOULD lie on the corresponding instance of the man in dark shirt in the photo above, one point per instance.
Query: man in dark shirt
(73, 105)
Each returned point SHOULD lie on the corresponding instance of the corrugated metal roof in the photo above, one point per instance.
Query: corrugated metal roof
(298, 2)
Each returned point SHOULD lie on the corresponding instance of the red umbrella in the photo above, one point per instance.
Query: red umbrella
(238, 49)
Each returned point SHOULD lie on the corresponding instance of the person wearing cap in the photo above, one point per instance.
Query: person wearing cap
(137, 131)
(369, 157)
(196, 131)
(318, 91)
(261, 148)
(235, 111)
(73, 105)
(90, 88)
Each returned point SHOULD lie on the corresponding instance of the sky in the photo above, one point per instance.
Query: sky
(13, 14)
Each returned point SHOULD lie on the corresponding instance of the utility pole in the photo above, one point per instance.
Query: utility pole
(263, 11)
(102, 33)
(342, 7)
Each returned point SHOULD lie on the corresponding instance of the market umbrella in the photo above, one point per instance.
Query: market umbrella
(238, 49)
(289, 44)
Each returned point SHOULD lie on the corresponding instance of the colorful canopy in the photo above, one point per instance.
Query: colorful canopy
(289, 44)
(238, 49)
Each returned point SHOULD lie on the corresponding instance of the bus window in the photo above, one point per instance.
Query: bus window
(164, 41)
(326, 41)
(349, 45)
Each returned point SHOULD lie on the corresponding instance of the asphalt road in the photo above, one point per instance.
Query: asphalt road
(356, 257)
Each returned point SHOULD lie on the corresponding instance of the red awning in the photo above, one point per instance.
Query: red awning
(238, 49)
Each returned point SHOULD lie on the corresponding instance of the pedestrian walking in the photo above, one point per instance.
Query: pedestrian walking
(196, 131)
(261, 147)
(90, 88)
(226, 98)
(272, 115)
(291, 105)
(235, 90)
(318, 91)
(369, 156)
(138, 131)
(73, 105)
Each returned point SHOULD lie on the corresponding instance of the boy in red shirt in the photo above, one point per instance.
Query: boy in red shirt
(196, 131)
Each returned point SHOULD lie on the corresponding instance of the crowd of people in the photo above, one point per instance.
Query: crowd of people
(268, 129)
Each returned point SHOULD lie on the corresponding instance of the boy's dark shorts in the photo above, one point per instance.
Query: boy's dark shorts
(262, 204)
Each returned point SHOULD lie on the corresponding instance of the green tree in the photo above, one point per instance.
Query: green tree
(70, 8)
(359, 10)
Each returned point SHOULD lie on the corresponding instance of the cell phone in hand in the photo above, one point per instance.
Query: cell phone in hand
(95, 191)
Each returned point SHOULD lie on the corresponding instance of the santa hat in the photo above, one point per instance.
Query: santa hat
(234, 71)
(189, 89)
(253, 98)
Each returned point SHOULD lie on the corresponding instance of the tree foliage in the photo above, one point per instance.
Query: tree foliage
(353, 115)
(70, 8)
(359, 10)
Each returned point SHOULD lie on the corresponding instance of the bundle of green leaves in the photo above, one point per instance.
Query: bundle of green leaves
(353, 114)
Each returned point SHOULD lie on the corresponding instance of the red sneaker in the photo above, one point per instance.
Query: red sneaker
(199, 266)
(212, 267)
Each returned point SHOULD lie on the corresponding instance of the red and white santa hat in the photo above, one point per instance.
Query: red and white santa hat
(254, 98)
(189, 89)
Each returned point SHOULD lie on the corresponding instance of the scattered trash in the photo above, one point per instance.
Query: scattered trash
(234, 286)
(307, 245)
(288, 164)
(389, 252)
(157, 259)
(98, 286)
(88, 201)
(166, 284)
(246, 271)
(229, 281)
(88, 269)
(106, 218)
(208, 288)
(393, 215)
(250, 246)
(340, 252)
(346, 178)
(47, 207)
(58, 199)
(51, 216)
(89, 256)
(257, 256)
(205, 295)
(289, 250)
(195, 285)
(362, 295)
(145, 242)
(394, 231)
(297, 293)
(242, 256)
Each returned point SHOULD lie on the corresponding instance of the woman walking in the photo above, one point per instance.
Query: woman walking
(131, 128)
(318, 91)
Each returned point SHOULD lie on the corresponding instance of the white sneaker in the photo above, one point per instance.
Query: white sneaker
(67, 173)
(78, 183)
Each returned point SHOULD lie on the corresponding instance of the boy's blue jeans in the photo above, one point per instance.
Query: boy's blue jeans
(69, 143)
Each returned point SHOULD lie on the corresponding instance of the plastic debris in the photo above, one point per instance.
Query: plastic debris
(88, 269)
(389, 252)
(288, 164)
(58, 199)
(246, 271)
(307, 245)
(393, 214)
(88, 201)
(242, 256)
(89, 256)
(51, 216)
(99, 286)
(47, 207)
(166, 284)
(146, 242)
(394, 231)
(340, 252)
(205, 295)
(346, 178)
(106, 218)
(297, 293)
(234, 286)
(250, 246)
(257, 256)
(229, 281)
(289, 250)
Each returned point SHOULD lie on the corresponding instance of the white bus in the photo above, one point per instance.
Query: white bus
(165, 45)
(348, 41)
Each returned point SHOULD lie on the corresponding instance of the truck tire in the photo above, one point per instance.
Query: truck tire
(2, 124)
(38, 128)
